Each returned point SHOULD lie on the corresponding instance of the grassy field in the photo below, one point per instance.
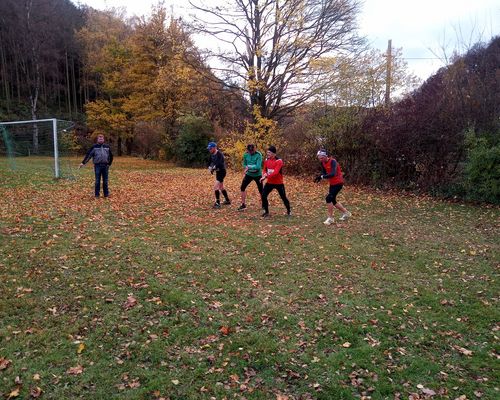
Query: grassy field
(153, 295)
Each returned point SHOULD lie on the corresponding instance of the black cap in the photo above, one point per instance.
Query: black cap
(272, 149)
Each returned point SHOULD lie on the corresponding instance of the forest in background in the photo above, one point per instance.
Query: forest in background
(145, 83)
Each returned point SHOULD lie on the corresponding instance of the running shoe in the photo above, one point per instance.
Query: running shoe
(329, 221)
(345, 216)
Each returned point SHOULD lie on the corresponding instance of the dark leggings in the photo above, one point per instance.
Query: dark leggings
(268, 188)
(247, 179)
(332, 193)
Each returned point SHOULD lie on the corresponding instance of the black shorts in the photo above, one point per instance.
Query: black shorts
(332, 193)
(220, 175)
(247, 179)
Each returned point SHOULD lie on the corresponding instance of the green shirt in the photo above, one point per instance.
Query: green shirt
(253, 162)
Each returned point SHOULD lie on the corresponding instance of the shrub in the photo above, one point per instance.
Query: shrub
(191, 143)
(482, 169)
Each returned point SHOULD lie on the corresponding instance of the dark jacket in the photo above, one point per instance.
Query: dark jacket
(100, 154)
(217, 161)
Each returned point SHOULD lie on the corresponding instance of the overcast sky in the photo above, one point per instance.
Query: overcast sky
(421, 28)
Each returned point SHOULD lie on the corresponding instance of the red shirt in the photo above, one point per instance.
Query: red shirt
(337, 179)
(272, 167)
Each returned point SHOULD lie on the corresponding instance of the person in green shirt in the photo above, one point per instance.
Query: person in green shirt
(252, 164)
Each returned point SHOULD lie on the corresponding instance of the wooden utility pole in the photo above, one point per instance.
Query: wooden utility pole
(388, 74)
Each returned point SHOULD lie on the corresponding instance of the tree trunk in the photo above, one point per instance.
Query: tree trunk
(73, 81)
(18, 80)
(128, 144)
(68, 91)
(119, 149)
(5, 78)
(43, 91)
(35, 81)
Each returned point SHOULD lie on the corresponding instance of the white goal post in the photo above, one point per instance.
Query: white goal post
(54, 121)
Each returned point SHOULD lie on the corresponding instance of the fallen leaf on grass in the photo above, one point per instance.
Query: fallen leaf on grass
(13, 393)
(463, 350)
(4, 363)
(134, 384)
(35, 392)
(346, 345)
(224, 330)
(75, 370)
(81, 347)
(426, 391)
(131, 302)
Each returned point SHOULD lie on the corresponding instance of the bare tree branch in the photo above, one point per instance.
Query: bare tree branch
(273, 45)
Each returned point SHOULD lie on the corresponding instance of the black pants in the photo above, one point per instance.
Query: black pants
(101, 171)
(268, 188)
(247, 179)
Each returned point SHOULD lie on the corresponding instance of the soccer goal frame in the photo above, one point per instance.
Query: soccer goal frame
(57, 172)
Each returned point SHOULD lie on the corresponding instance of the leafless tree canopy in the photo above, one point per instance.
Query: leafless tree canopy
(271, 46)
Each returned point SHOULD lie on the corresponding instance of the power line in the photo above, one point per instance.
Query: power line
(421, 58)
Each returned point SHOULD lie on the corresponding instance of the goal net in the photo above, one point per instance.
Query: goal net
(44, 146)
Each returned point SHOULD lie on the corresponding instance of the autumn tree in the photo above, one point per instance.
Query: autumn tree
(106, 53)
(272, 46)
(164, 79)
(157, 79)
(39, 65)
(361, 81)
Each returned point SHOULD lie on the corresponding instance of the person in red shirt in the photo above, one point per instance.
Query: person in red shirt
(331, 171)
(274, 176)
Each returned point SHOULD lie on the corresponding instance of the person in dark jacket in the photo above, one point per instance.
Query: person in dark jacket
(218, 165)
(330, 170)
(103, 158)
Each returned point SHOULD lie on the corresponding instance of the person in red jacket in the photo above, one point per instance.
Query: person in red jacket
(331, 171)
(274, 176)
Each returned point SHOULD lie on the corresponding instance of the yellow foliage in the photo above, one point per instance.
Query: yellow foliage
(233, 148)
(263, 132)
